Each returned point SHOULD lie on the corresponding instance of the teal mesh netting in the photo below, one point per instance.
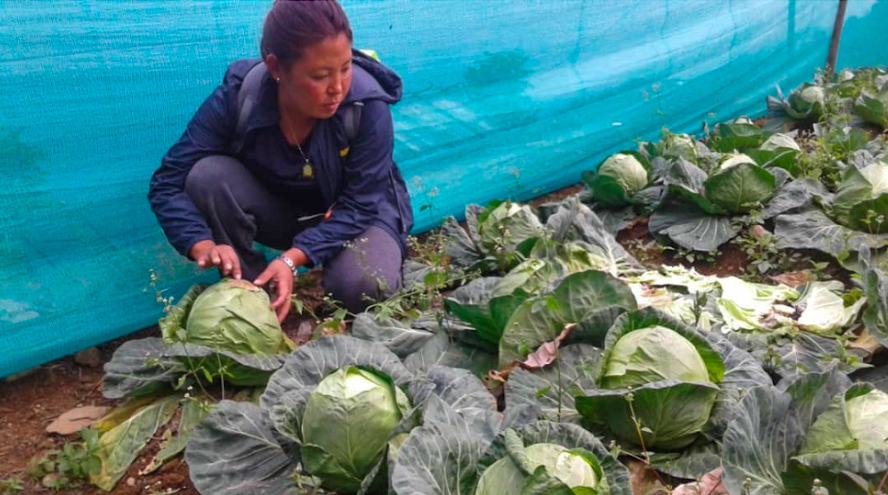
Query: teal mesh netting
(503, 99)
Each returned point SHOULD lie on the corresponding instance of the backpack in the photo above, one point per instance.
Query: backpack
(249, 93)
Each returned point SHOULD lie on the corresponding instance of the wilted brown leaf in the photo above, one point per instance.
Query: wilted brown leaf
(866, 343)
(792, 279)
(644, 480)
(711, 484)
(76, 419)
(548, 352)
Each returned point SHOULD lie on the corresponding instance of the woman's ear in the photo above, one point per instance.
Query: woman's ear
(274, 67)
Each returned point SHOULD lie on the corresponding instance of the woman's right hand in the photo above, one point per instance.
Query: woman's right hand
(208, 254)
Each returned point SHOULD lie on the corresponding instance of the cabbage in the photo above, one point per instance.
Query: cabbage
(732, 160)
(868, 420)
(617, 180)
(854, 421)
(678, 146)
(650, 355)
(806, 102)
(740, 184)
(859, 200)
(873, 108)
(346, 426)
(506, 226)
(658, 372)
(505, 477)
(780, 141)
(626, 171)
(233, 316)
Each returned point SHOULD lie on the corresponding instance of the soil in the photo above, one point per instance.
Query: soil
(33, 401)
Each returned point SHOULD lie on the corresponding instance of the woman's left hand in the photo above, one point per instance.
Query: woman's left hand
(281, 276)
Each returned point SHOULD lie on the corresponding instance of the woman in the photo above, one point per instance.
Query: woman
(297, 157)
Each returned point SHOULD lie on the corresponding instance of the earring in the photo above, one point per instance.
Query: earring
(277, 79)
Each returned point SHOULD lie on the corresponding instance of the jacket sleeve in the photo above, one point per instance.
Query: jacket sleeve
(208, 133)
(366, 181)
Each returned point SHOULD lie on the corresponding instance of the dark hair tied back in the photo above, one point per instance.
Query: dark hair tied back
(292, 26)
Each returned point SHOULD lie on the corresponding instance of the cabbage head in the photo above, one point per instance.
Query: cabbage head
(235, 316)
(576, 469)
(780, 141)
(650, 355)
(505, 227)
(873, 108)
(732, 160)
(618, 179)
(806, 102)
(861, 201)
(346, 426)
(856, 420)
(678, 146)
(740, 184)
(659, 371)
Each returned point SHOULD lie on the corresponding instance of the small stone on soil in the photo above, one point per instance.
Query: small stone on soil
(91, 357)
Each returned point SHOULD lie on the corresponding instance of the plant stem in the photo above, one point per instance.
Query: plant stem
(882, 483)
(560, 387)
(647, 457)
(221, 375)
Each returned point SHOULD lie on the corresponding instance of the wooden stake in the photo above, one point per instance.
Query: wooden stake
(836, 37)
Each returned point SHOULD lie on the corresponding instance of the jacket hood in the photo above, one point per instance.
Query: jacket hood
(373, 81)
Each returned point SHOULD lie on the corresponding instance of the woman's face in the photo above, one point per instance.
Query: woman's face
(316, 84)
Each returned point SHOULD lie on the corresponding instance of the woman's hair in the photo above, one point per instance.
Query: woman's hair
(292, 26)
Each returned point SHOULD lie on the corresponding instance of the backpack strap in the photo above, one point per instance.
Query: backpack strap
(246, 99)
(351, 120)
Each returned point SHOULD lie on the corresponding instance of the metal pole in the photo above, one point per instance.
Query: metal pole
(836, 37)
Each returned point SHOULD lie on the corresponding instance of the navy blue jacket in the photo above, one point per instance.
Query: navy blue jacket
(359, 180)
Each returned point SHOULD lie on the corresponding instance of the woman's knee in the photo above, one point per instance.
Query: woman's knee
(368, 271)
(210, 175)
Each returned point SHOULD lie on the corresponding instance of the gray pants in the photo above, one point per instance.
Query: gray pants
(240, 210)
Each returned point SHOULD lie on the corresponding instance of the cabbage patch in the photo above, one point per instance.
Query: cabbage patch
(861, 201)
(844, 223)
(498, 236)
(804, 105)
(815, 427)
(679, 384)
(700, 210)
(339, 409)
(872, 106)
(452, 454)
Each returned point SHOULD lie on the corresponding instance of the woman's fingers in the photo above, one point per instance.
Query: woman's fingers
(235, 269)
(279, 274)
(231, 263)
(224, 258)
(282, 312)
(227, 263)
